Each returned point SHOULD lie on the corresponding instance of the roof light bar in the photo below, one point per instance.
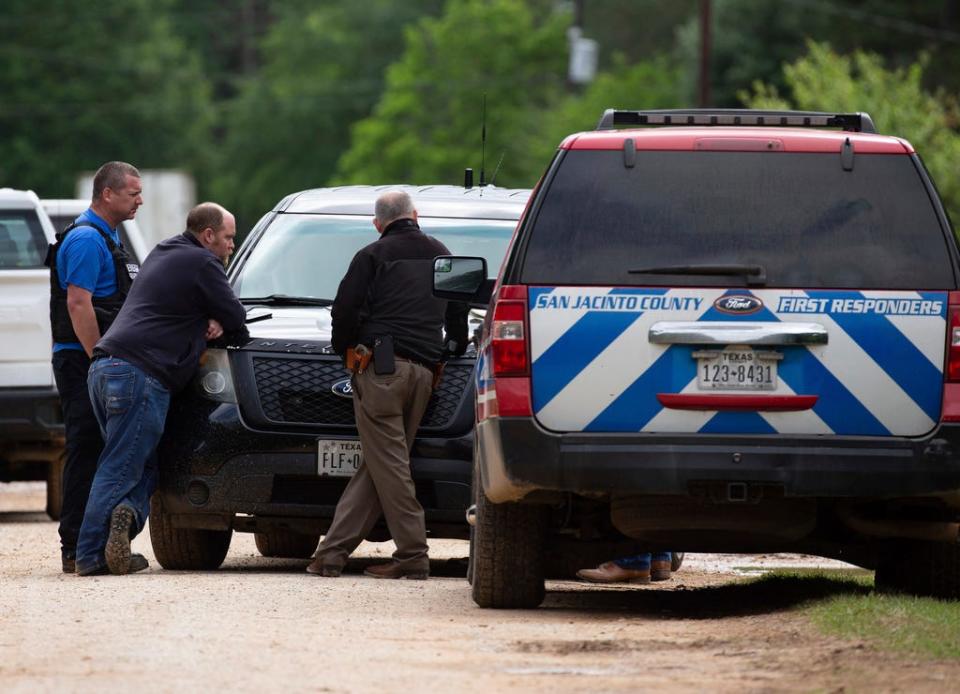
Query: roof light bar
(854, 122)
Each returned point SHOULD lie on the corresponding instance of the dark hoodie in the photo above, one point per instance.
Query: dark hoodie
(162, 324)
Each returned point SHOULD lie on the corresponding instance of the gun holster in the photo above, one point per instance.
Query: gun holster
(437, 374)
(357, 359)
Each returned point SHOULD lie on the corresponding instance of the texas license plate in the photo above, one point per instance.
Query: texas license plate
(737, 368)
(338, 457)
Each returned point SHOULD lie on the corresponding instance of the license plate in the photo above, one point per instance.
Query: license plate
(737, 368)
(338, 457)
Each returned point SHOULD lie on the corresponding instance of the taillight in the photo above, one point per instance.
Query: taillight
(508, 339)
(953, 339)
(951, 375)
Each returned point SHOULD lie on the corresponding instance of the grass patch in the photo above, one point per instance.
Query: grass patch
(921, 627)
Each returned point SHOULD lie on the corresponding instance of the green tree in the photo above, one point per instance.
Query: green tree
(649, 84)
(82, 85)
(322, 68)
(823, 80)
(427, 125)
(752, 40)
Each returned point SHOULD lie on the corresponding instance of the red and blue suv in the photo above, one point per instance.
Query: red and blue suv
(731, 331)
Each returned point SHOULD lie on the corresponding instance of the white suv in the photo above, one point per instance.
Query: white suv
(31, 426)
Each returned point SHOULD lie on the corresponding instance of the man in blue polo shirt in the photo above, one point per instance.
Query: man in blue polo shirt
(90, 275)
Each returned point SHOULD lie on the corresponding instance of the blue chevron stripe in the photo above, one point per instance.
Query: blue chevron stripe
(737, 423)
(577, 347)
(638, 404)
(893, 352)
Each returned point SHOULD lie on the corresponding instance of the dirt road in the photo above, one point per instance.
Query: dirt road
(265, 625)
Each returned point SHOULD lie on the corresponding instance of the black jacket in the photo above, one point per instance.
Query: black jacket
(388, 290)
(162, 324)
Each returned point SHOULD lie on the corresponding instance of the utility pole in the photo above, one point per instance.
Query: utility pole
(705, 48)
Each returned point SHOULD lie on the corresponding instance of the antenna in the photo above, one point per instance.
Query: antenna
(483, 140)
(496, 170)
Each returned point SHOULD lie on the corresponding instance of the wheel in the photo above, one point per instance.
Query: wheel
(507, 554)
(185, 548)
(286, 544)
(676, 560)
(930, 569)
(55, 486)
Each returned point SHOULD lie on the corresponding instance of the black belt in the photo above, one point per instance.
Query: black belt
(98, 354)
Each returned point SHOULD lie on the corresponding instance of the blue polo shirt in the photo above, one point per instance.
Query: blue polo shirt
(84, 261)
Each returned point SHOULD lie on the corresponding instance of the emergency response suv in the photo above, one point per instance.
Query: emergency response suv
(729, 331)
(264, 439)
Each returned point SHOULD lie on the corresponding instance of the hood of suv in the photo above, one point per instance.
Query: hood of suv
(290, 323)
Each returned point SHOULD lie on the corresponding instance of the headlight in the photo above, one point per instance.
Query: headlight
(214, 380)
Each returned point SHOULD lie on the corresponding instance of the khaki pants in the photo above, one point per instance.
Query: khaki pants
(388, 411)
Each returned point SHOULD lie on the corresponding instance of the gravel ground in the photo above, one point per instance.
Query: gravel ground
(265, 625)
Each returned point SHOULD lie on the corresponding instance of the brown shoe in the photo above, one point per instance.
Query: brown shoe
(660, 570)
(610, 572)
(396, 569)
(318, 568)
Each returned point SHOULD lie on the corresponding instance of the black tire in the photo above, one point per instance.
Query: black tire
(286, 544)
(928, 569)
(507, 557)
(676, 560)
(55, 486)
(185, 548)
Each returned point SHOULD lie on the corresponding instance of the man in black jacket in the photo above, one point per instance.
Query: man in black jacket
(385, 302)
(180, 300)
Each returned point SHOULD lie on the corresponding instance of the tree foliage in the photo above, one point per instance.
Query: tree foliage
(427, 125)
(322, 69)
(81, 86)
(824, 80)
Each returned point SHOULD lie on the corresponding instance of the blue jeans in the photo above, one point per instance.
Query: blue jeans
(131, 408)
(641, 562)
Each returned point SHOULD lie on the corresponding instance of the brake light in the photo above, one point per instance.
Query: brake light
(508, 340)
(953, 338)
(951, 376)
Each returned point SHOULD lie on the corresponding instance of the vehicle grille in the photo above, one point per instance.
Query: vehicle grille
(299, 391)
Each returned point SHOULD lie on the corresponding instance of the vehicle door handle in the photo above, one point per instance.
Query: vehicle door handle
(737, 333)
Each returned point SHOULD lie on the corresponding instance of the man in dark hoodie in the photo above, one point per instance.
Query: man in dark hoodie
(180, 300)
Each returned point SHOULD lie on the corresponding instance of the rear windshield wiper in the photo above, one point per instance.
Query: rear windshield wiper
(284, 300)
(755, 274)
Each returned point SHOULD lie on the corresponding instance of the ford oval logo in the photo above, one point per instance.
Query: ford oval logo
(739, 304)
(343, 388)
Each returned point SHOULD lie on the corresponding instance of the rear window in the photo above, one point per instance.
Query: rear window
(800, 216)
(22, 243)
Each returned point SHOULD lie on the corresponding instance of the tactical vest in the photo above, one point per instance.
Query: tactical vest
(105, 308)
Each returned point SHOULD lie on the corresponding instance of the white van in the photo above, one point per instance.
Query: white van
(31, 425)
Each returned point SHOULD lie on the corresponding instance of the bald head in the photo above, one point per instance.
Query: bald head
(390, 207)
(214, 227)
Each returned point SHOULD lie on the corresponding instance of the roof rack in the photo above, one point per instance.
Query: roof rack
(855, 122)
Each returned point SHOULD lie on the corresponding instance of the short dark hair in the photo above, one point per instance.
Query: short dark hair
(112, 175)
(206, 214)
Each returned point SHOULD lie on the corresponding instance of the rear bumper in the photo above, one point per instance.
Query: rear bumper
(212, 465)
(518, 457)
(30, 414)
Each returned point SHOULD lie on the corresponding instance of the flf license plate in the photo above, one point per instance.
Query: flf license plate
(737, 367)
(338, 457)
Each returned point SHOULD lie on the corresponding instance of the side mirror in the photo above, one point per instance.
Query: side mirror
(460, 278)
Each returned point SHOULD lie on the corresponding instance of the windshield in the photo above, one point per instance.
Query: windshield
(306, 255)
